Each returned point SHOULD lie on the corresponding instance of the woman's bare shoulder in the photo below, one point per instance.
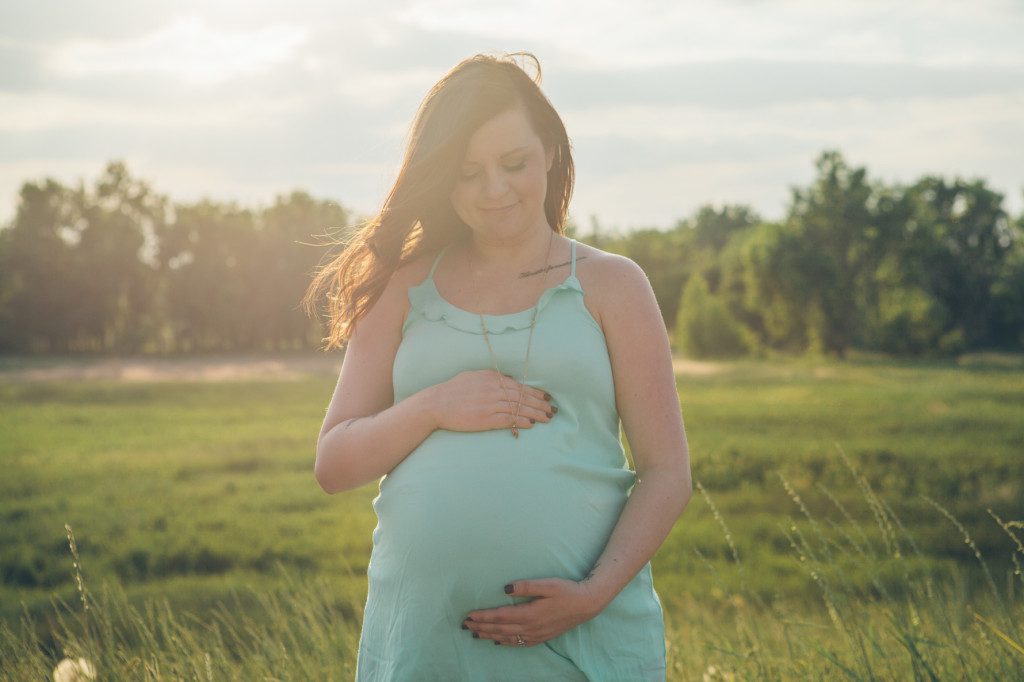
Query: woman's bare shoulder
(608, 279)
(606, 260)
(604, 271)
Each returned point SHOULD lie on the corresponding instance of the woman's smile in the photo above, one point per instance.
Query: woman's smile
(501, 209)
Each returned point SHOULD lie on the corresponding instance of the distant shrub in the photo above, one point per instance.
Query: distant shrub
(704, 326)
(908, 321)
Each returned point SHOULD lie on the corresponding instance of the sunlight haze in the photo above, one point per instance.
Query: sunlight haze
(668, 105)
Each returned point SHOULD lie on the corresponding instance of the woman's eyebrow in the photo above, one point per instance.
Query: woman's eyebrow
(508, 153)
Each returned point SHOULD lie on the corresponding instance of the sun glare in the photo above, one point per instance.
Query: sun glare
(187, 48)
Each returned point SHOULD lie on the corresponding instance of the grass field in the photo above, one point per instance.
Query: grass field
(856, 519)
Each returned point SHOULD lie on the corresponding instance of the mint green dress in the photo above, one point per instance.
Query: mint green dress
(467, 512)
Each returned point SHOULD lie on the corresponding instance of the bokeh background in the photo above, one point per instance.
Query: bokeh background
(827, 198)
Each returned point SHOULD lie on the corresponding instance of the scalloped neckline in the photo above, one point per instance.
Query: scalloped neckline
(519, 313)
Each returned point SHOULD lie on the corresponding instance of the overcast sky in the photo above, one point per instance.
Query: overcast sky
(669, 105)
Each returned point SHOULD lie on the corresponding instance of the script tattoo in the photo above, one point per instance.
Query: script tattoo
(550, 267)
(349, 422)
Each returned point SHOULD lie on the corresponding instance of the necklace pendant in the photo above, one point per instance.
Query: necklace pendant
(515, 432)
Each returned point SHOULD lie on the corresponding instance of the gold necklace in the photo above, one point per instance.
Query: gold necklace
(533, 323)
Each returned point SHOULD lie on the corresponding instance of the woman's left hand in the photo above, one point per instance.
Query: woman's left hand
(560, 605)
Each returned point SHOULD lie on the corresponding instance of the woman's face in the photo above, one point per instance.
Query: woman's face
(500, 187)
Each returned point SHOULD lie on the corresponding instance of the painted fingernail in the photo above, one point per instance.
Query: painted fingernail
(547, 396)
(550, 414)
(465, 627)
(508, 588)
(554, 408)
(532, 420)
(496, 642)
(476, 635)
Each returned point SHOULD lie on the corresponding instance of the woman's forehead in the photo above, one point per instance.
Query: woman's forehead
(504, 135)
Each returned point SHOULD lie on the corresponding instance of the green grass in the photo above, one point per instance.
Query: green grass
(836, 530)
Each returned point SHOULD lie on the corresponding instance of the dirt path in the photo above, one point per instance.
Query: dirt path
(204, 368)
(209, 368)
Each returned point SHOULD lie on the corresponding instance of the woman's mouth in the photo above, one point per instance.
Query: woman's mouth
(503, 208)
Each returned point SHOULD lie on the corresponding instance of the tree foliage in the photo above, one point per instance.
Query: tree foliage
(118, 270)
(936, 267)
(704, 326)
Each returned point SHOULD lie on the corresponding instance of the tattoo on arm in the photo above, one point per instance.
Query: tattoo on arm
(349, 422)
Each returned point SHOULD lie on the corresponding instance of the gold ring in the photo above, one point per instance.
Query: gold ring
(520, 641)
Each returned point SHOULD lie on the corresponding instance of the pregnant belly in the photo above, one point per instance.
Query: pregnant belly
(471, 511)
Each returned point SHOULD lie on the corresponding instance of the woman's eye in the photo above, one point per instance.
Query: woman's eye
(520, 166)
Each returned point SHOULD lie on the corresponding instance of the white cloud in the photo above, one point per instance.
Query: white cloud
(670, 105)
(612, 35)
(41, 111)
(186, 48)
(753, 156)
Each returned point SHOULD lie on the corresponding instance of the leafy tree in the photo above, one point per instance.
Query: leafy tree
(956, 243)
(285, 264)
(118, 282)
(709, 232)
(1008, 293)
(768, 283)
(208, 249)
(37, 260)
(906, 319)
(704, 327)
(840, 243)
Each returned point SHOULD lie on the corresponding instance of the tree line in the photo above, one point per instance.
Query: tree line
(928, 269)
(933, 268)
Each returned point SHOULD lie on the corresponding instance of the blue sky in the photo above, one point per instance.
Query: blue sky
(669, 105)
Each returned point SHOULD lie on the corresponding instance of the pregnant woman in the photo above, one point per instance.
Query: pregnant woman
(489, 360)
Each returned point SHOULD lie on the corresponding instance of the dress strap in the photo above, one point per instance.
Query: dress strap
(572, 270)
(438, 260)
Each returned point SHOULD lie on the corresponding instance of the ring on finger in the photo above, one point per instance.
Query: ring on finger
(520, 641)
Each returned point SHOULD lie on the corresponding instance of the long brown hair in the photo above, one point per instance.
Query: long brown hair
(417, 215)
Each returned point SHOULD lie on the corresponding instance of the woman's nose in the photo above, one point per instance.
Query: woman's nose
(495, 185)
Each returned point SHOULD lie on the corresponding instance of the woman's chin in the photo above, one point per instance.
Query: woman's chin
(502, 216)
(512, 225)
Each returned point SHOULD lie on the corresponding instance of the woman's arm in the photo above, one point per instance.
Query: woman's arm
(362, 449)
(364, 434)
(648, 404)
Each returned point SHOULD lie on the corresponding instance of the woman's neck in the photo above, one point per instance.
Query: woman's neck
(524, 252)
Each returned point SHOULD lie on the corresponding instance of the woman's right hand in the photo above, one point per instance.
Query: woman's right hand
(475, 401)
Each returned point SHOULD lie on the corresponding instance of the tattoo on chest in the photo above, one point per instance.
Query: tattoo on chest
(550, 267)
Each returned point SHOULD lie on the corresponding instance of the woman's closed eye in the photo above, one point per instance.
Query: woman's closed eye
(511, 169)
